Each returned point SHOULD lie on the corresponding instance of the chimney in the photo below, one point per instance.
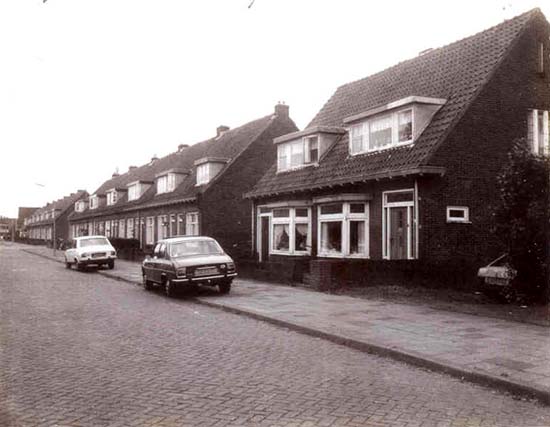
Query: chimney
(154, 158)
(221, 129)
(115, 174)
(182, 147)
(281, 109)
(131, 168)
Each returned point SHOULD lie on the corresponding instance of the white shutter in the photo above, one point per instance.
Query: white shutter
(535, 130)
(545, 142)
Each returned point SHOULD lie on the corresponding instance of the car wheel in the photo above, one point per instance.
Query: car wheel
(67, 264)
(111, 264)
(147, 285)
(169, 288)
(79, 266)
(224, 287)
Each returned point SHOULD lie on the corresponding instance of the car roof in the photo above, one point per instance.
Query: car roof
(176, 239)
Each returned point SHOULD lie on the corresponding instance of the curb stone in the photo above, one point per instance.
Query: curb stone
(513, 387)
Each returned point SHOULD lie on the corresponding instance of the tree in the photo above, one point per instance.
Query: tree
(521, 219)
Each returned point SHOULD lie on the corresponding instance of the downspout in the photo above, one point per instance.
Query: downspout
(253, 218)
(416, 221)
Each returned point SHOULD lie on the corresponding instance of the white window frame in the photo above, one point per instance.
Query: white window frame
(150, 230)
(365, 127)
(181, 224)
(111, 197)
(292, 220)
(94, 202)
(130, 228)
(108, 228)
(535, 142)
(162, 184)
(288, 147)
(172, 225)
(345, 217)
(465, 219)
(121, 228)
(411, 222)
(192, 222)
(161, 221)
(203, 173)
(134, 191)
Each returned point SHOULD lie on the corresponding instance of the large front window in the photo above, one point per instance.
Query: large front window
(291, 231)
(343, 230)
(399, 225)
(382, 132)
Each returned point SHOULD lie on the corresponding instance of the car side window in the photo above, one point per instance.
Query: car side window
(156, 251)
(162, 251)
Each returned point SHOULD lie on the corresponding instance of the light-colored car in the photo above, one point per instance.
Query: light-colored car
(187, 261)
(90, 250)
(498, 273)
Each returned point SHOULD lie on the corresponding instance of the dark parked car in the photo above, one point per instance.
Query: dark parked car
(180, 262)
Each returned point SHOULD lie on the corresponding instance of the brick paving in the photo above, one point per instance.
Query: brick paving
(79, 349)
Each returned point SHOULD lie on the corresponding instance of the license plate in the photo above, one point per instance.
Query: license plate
(499, 281)
(98, 255)
(206, 271)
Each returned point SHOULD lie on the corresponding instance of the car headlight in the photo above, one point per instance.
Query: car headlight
(182, 271)
(223, 266)
(113, 253)
(231, 266)
(85, 255)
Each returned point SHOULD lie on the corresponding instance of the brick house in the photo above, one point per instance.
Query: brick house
(23, 214)
(52, 219)
(195, 190)
(397, 172)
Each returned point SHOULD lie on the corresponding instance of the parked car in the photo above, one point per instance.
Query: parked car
(90, 250)
(496, 278)
(180, 262)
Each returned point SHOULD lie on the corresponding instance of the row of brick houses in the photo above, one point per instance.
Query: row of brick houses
(50, 220)
(196, 190)
(397, 172)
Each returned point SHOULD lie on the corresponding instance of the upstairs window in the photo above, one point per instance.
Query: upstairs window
(79, 206)
(297, 153)
(133, 192)
(203, 174)
(537, 131)
(382, 132)
(93, 202)
(111, 197)
(166, 183)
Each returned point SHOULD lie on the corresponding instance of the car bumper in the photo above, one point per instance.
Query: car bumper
(97, 261)
(207, 279)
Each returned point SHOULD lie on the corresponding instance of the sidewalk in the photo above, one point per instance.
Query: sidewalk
(507, 355)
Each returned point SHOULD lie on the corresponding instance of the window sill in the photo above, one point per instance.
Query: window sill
(290, 254)
(457, 221)
(342, 256)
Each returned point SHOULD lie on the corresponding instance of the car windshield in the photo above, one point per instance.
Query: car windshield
(95, 241)
(195, 247)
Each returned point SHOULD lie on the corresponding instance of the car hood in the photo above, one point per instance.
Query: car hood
(96, 248)
(190, 261)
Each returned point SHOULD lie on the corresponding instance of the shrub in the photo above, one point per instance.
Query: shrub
(521, 218)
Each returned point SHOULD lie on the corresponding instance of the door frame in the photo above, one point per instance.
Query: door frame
(259, 240)
(411, 222)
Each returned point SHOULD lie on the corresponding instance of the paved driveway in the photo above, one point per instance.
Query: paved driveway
(79, 349)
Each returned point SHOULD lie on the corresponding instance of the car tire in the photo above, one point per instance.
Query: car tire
(79, 266)
(225, 287)
(67, 264)
(170, 288)
(111, 264)
(147, 284)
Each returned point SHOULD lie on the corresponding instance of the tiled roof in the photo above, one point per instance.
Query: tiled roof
(456, 72)
(60, 206)
(228, 145)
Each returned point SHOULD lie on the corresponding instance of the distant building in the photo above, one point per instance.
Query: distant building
(41, 223)
(23, 214)
(6, 227)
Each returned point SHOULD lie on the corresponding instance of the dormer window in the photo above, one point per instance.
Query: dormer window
(208, 168)
(133, 191)
(381, 132)
(94, 202)
(297, 153)
(391, 125)
(111, 197)
(203, 174)
(80, 206)
(166, 183)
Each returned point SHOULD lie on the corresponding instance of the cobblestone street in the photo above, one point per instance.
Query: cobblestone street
(79, 349)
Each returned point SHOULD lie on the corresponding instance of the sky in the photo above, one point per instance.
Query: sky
(90, 87)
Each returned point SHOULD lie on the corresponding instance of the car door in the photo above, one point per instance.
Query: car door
(163, 262)
(150, 265)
